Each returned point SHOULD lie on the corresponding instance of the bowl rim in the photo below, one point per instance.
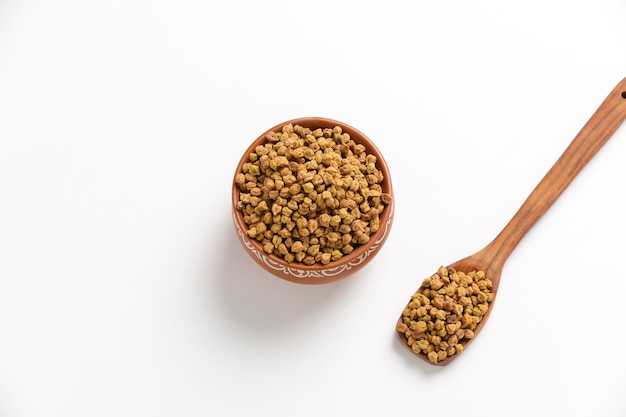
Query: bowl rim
(361, 254)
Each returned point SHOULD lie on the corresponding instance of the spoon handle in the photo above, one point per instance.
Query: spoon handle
(594, 134)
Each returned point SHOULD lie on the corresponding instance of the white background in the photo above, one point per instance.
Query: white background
(125, 292)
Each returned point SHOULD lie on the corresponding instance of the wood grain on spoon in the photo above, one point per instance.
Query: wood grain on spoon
(594, 134)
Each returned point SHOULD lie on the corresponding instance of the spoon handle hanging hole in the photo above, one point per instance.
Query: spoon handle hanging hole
(623, 94)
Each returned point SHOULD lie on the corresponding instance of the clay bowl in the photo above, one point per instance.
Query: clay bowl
(317, 273)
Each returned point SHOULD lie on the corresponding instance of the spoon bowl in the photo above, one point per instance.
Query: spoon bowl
(491, 259)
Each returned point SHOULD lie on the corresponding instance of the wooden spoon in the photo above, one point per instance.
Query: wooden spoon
(596, 132)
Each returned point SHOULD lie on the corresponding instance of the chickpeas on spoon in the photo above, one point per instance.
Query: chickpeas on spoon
(491, 259)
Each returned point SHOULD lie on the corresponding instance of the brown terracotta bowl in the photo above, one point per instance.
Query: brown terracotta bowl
(317, 273)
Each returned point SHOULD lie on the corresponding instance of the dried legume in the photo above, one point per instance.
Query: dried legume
(442, 316)
(311, 195)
